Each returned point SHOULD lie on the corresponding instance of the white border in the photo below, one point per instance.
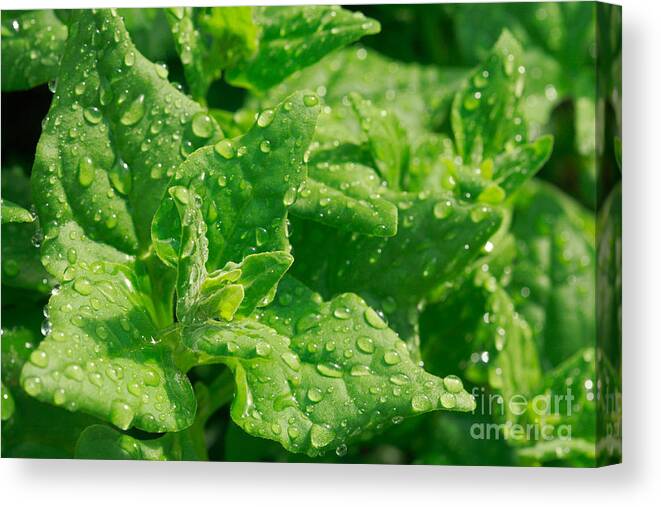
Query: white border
(637, 482)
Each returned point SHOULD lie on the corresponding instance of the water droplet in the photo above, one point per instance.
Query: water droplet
(442, 209)
(320, 436)
(342, 313)
(263, 349)
(202, 125)
(315, 395)
(373, 319)
(261, 236)
(39, 358)
(225, 149)
(391, 357)
(82, 286)
(399, 379)
(120, 177)
(448, 400)
(360, 370)
(79, 88)
(121, 415)
(365, 344)
(93, 115)
(265, 118)
(151, 378)
(129, 58)
(74, 372)
(310, 100)
(290, 196)
(420, 403)
(181, 194)
(46, 327)
(134, 112)
(329, 370)
(86, 171)
(32, 386)
(161, 70)
(293, 432)
(72, 256)
(341, 450)
(134, 388)
(156, 171)
(291, 360)
(265, 146)
(453, 383)
(96, 378)
(59, 397)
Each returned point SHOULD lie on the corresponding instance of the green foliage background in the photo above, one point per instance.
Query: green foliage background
(311, 233)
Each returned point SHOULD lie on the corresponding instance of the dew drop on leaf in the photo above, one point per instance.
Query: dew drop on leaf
(86, 171)
(365, 344)
(265, 118)
(82, 286)
(420, 403)
(202, 125)
(134, 112)
(225, 149)
(39, 358)
(121, 414)
(373, 319)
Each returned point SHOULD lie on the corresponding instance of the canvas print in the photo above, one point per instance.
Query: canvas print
(381, 234)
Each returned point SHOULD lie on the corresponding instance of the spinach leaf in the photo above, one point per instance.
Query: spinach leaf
(293, 38)
(32, 44)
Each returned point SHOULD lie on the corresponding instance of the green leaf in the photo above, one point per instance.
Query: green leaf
(179, 235)
(32, 44)
(209, 40)
(417, 94)
(13, 213)
(111, 139)
(293, 38)
(247, 184)
(474, 329)
(437, 238)
(344, 194)
(150, 32)
(104, 442)
(298, 383)
(386, 139)
(21, 266)
(566, 406)
(485, 115)
(554, 270)
(516, 369)
(103, 354)
(21, 235)
(513, 168)
(35, 430)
